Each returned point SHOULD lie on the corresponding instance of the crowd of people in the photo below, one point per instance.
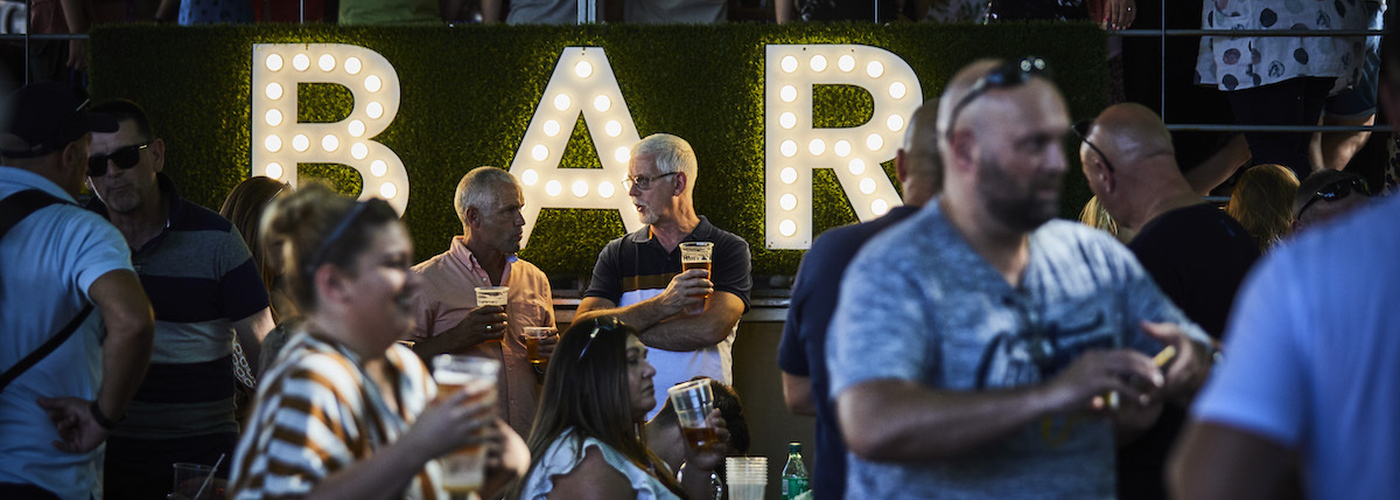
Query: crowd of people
(965, 345)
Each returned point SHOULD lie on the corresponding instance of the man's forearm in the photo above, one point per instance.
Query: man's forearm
(916, 423)
(642, 315)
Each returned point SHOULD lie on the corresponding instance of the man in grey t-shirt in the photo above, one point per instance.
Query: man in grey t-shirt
(976, 344)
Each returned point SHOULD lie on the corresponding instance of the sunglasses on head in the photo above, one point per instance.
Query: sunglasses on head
(124, 158)
(601, 324)
(1003, 76)
(1081, 130)
(1336, 191)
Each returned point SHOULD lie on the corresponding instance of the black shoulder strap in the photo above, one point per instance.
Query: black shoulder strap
(13, 209)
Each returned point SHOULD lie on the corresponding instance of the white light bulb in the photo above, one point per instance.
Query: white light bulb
(326, 62)
(818, 63)
(373, 84)
(388, 190)
(879, 207)
(897, 90)
(378, 168)
(874, 142)
(788, 175)
(374, 110)
(606, 189)
(613, 128)
(857, 166)
(583, 69)
(301, 62)
(895, 123)
(551, 128)
(580, 189)
(602, 103)
(539, 152)
(816, 147)
(562, 102)
(529, 177)
(788, 120)
(623, 154)
(359, 151)
(788, 201)
(274, 91)
(352, 65)
(787, 227)
(274, 62)
(330, 143)
(789, 64)
(874, 69)
(842, 147)
(356, 128)
(867, 185)
(788, 93)
(553, 188)
(274, 170)
(273, 143)
(300, 142)
(846, 63)
(789, 149)
(273, 117)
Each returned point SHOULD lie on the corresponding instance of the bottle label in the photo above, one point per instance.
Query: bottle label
(793, 486)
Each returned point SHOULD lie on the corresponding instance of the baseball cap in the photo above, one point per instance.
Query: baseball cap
(44, 117)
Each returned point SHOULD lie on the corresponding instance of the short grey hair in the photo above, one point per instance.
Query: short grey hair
(671, 154)
(477, 189)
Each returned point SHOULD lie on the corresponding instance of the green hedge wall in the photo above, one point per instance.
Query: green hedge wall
(469, 93)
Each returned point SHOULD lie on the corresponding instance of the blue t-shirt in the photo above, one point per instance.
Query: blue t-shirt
(919, 304)
(802, 350)
(1311, 355)
(48, 262)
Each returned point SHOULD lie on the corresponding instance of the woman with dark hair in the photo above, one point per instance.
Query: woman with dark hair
(587, 440)
(347, 412)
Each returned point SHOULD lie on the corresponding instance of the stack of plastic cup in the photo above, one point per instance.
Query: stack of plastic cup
(747, 477)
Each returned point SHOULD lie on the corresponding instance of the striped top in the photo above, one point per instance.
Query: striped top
(200, 278)
(318, 412)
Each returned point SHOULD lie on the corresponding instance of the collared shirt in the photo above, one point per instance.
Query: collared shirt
(448, 294)
(636, 267)
(48, 263)
(200, 278)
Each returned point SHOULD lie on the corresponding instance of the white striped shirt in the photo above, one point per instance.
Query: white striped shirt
(318, 412)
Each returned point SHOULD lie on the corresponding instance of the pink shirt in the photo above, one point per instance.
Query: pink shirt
(449, 293)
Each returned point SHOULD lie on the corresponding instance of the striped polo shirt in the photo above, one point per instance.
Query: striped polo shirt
(200, 278)
(318, 412)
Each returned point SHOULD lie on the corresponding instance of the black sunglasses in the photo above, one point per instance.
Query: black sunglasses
(124, 158)
(1336, 191)
(600, 324)
(1003, 76)
(1081, 130)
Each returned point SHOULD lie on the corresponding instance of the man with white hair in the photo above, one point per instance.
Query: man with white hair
(639, 278)
(488, 202)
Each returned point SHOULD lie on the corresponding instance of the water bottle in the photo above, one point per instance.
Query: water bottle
(794, 473)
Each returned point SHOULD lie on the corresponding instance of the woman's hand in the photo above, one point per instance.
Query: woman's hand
(1113, 14)
(711, 457)
(466, 418)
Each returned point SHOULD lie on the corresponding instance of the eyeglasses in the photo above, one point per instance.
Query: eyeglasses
(1081, 130)
(600, 324)
(1336, 191)
(124, 158)
(643, 182)
(1003, 76)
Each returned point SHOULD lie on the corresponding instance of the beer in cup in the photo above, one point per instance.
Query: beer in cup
(464, 470)
(533, 335)
(696, 255)
(693, 402)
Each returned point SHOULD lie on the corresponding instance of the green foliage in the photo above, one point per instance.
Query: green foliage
(469, 93)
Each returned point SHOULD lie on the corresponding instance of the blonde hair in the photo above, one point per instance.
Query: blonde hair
(1263, 203)
(1096, 216)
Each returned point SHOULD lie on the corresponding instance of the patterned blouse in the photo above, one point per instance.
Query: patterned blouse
(319, 412)
(1238, 63)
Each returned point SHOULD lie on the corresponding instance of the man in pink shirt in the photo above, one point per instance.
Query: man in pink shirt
(488, 202)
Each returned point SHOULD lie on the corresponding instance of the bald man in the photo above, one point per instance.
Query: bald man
(974, 341)
(1197, 254)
